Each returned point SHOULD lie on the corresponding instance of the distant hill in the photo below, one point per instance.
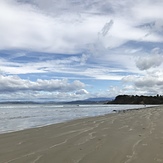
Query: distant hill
(99, 100)
(131, 99)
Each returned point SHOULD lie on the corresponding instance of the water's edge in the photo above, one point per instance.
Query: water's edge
(16, 117)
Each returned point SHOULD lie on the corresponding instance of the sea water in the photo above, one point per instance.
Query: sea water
(14, 117)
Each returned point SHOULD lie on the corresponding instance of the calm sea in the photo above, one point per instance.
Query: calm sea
(14, 117)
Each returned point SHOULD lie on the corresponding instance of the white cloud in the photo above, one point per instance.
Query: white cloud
(68, 26)
(16, 84)
(71, 65)
(25, 27)
(103, 31)
(147, 10)
(151, 61)
(82, 92)
(106, 28)
(149, 84)
(15, 88)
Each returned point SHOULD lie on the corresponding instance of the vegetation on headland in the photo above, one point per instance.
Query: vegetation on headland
(135, 99)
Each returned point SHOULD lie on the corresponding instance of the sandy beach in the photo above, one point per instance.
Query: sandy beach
(134, 136)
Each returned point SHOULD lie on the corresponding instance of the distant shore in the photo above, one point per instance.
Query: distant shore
(135, 99)
(134, 136)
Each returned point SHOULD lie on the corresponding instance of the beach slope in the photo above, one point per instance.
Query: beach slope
(134, 136)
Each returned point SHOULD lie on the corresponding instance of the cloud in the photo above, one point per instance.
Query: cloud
(16, 84)
(23, 26)
(148, 6)
(149, 84)
(15, 88)
(151, 61)
(75, 67)
(82, 92)
(68, 26)
(93, 39)
(106, 28)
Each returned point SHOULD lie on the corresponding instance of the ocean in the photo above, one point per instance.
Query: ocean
(14, 117)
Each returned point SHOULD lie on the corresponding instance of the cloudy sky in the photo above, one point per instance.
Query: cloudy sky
(73, 49)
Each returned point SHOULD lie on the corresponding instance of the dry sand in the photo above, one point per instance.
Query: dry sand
(132, 137)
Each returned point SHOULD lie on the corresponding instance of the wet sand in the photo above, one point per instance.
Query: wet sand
(134, 136)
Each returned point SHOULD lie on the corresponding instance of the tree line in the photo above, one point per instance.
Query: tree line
(135, 99)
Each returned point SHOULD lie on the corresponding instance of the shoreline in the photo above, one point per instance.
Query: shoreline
(131, 136)
(116, 110)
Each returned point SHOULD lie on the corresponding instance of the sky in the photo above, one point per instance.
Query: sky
(73, 50)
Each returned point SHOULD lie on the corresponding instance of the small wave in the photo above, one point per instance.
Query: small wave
(21, 117)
